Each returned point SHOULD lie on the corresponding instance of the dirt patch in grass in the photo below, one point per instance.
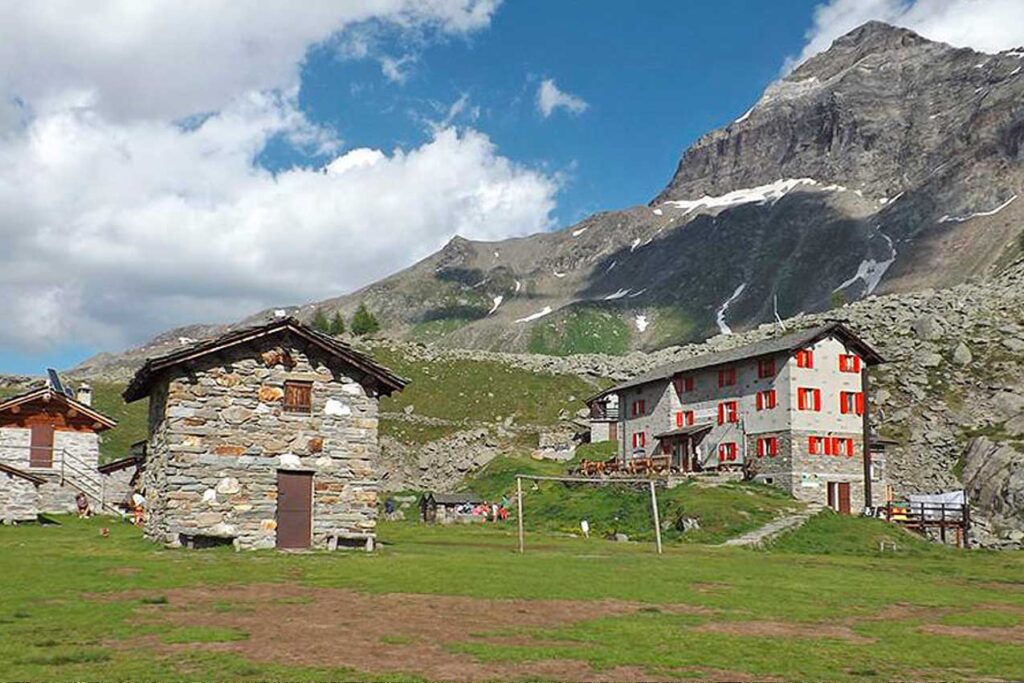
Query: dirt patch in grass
(709, 587)
(392, 633)
(1013, 635)
(775, 629)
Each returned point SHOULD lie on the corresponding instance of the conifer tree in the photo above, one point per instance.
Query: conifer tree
(364, 322)
(337, 324)
(320, 321)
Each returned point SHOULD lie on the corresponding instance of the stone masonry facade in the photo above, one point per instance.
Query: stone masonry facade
(219, 434)
(19, 500)
(81, 448)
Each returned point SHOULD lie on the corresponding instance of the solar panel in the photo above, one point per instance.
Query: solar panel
(55, 383)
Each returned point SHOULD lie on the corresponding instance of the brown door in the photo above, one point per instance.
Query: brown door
(41, 453)
(613, 431)
(844, 497)
(294, 509)
(839, 496)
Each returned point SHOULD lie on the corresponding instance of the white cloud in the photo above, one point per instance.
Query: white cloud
(985, 25)
(550, 98)
(117, 220)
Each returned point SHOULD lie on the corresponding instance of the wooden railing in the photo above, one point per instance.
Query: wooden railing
(923, 516)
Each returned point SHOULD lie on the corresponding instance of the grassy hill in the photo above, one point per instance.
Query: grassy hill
(722, 511)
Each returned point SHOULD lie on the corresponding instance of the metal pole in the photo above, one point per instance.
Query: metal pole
(657, 520)
(519, 511)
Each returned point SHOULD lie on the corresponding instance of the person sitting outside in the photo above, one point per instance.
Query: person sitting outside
(138, 507)
(82, 506)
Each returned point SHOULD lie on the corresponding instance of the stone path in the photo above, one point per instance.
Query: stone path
(758, 537)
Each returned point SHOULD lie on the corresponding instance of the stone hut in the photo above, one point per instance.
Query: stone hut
(55, 437)
(19, 495)
(264, 437)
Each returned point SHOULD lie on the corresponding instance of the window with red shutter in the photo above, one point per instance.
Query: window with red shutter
(805, 358)
(298, 397)
(766, 368)
(683, 384)
(639, 408)
(814, 445)
(689, 418)
(728, 411)
(849, 363)
(766, 399)
(726, 377)
(768, 445)
(726, 451)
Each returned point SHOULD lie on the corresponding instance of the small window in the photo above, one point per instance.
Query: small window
(808, 398)
(683, 384)
(849, 363)
(851, 402)
(726, 377)
(684, 418)
(766, 368)
(766, 399)
(639, 408)
(805, 358)
(728, 411)
(768, 445)
(727, 451)
(639, 439)
(298, 397)
(814, 445)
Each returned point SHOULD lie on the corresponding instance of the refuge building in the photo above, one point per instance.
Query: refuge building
(792, 411)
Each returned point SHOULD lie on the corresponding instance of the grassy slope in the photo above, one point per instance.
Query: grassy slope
(723, 511)
(474, 391)
(61, 629)
(582, 330)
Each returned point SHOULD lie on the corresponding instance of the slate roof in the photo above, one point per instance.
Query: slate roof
(767, 347)
(48, 394)
(685, 431)
(148, 374)
(454, 498)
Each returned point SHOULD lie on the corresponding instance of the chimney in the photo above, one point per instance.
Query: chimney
(85, 394)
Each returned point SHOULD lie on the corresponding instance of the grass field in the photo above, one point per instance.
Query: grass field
(444, 603)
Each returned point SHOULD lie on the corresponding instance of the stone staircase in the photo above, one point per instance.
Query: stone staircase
(775, 528)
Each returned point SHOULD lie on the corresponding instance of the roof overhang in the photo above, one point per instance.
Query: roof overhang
(47, 394)
(691, 430)
(141, 385)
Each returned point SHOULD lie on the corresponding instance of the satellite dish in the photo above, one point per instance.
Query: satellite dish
(55, 383)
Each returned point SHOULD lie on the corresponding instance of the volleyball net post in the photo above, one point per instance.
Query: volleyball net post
(656, 519)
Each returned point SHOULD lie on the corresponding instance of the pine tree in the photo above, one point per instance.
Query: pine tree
(337, 324)
(364, 322)
(320, 321)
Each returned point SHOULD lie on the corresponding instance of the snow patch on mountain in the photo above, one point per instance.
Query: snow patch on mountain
(960, 219)
(497, 302)
(762, 194)
(720, 313)
(871, 271)
(641, 322)
(536, 316)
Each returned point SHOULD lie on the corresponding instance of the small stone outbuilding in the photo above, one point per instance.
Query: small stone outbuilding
(19, 495)
(264, 437)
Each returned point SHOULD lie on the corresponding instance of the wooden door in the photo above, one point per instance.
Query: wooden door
(41, 453)
(839, 496)
(613, 431)
(294, 509)
(843, 489)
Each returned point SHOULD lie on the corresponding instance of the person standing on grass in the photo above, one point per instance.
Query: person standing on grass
(585, 528)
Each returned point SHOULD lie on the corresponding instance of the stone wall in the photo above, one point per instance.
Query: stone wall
(19, 500)
(219, 435)
(82, 448)
(812, 473)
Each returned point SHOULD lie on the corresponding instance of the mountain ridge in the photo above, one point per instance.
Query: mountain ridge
(887, 163)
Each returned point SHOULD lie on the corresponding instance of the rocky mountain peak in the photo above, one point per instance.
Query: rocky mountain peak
(870, 39)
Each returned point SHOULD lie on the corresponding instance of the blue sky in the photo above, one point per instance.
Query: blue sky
(273, 153)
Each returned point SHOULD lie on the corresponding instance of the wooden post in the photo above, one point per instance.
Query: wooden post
(519, 511)
(657, 519)
(942, 524)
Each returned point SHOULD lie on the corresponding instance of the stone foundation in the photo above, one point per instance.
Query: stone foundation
(19, 500)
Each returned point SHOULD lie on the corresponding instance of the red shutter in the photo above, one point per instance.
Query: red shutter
(689, 417)
(817, 400)
(773, 444)
(856, 363)
(849, 448)
(721, 413)
(679, 419)
(860, 402)
(842, 402)
(801, 399)
(760, 401)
